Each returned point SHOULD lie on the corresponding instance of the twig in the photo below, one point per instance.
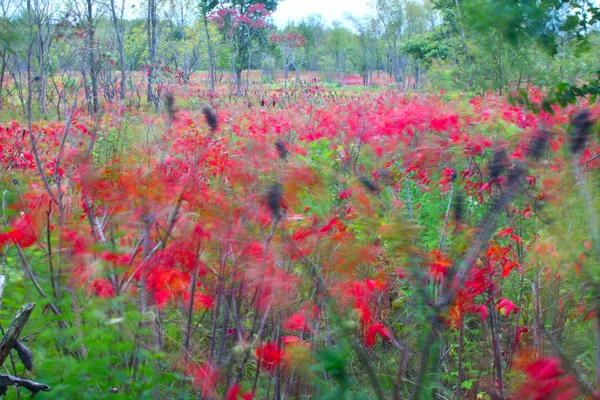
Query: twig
(41, 291)
(410, 212)
(446, 218)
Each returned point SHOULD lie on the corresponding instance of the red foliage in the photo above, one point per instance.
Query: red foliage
(377, 329)
(206, 378)
(548, 380)
(269, 355)
(102, 288)
(506, 306)
(298, 323)
(235, 393)
(189, 206)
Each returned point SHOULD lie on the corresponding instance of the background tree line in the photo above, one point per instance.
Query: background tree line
(50, 50)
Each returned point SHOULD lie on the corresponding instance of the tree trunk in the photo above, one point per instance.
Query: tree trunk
(2, 74)
(152, 43)
(211, 58)
(91, 57)
(416, 74)
(238, 81)
(119, 35)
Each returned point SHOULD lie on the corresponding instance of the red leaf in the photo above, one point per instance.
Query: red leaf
(377, 329)
(301, 234)
(547, 379)
(520, 330)
(505, 232)
(329, 225)
(235, 393)
(344, 194)
(269, 355)
(507, 306)
(103, 288)
(206, 378)
(297, 322)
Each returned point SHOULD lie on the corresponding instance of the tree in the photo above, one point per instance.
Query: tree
(368, 45)
(9, 39)
(206, 7)
(499, 44)
(183, 41)
(338, 44)
(289, 43)
(313, 29)
(241, 22)
(392, 19)
(117, 21)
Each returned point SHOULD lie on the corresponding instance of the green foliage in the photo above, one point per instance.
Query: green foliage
(13, 34)
(427, 48)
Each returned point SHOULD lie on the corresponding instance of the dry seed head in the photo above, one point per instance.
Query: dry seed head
(211, 118)
(498, 164)
(538, 144)
(582, 123)
(368, 184)
(274, 195)
(281, 149)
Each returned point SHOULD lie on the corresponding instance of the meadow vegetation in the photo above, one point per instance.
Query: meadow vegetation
(204, 206)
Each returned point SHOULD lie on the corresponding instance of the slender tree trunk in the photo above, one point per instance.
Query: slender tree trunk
(91, 58)
(238, 81)
(211, 58)
(461, 371)
(416, 74)
(119, 35)
(152, 43)
(2, 75)
(537, 316)
(42, 68)
(496, 347)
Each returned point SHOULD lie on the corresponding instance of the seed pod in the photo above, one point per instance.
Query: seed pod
(582, 123)
(211, 118)
(274, 195)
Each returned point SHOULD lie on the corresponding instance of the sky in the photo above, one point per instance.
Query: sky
(330, 10)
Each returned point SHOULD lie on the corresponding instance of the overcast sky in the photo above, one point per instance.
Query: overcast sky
(330, 9)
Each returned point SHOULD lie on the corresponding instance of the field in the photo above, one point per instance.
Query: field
(318, 242)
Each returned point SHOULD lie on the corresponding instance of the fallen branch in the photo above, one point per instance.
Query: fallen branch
(33, 387)
(14, 330)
